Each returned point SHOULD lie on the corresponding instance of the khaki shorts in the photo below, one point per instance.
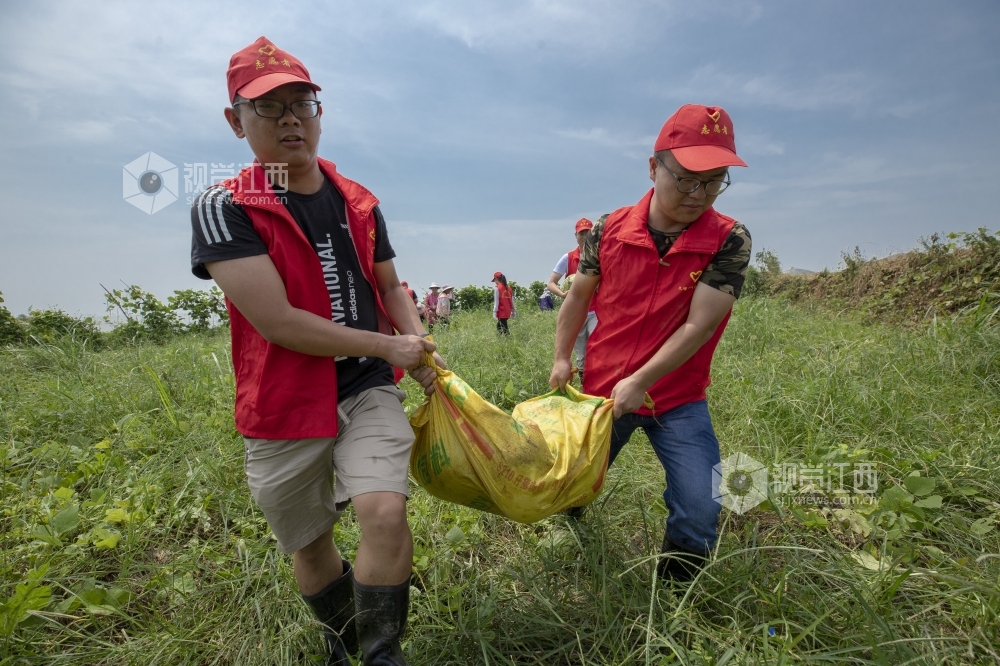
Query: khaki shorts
(292, 480)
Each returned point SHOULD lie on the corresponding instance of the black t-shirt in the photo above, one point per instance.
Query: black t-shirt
(222, 230)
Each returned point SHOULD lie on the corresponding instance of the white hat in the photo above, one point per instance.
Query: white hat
(434, 285)
(446, 287)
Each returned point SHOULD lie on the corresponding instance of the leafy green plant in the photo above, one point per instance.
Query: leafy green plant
(10, 330)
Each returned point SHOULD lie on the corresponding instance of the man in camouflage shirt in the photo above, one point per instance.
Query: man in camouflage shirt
(669, 269)
(726, 272)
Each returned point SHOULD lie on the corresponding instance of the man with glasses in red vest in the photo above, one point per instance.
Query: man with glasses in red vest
(670, 269)
(303, 256)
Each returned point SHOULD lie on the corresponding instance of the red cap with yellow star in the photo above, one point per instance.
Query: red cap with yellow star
(262, 67)
(700, 138)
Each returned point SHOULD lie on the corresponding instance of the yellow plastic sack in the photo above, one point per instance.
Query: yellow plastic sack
(550, 454)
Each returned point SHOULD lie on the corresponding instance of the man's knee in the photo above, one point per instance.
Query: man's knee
(382, 515)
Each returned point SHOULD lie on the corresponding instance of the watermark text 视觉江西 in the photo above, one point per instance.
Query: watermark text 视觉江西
(200, 175)
(740, 483)
(150, 182)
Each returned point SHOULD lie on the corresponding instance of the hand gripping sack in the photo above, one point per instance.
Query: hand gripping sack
(550, 454)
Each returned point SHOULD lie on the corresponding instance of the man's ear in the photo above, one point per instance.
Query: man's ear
(652, 169)
(233, 118)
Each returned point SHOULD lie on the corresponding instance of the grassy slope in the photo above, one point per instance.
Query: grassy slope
(195, 578)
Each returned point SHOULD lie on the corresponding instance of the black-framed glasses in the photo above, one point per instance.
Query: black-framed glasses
(689, 185)
(269, 108)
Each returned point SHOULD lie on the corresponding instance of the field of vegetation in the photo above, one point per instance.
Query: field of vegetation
(128, 535)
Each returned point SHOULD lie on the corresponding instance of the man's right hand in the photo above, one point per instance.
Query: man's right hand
(562, 372)
(407, 351)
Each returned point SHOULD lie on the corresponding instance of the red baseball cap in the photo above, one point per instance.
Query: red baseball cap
(700, 137)
(497, 276)
(262, 67)
(583, 224)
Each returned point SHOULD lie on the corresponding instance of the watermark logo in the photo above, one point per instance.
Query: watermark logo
(149, 183)
(739, 483)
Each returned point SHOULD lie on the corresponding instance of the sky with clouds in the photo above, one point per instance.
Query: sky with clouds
(487, 128)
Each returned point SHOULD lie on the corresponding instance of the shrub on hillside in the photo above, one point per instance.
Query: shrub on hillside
(763, 274)
(958, 274)
(535, 290)
(471, 297)
(146, 317)
(52, 325)
(204, 309)
(10, 330)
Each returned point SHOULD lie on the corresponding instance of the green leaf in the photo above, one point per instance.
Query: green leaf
(919, 485)
(932, 502)
(854, 520)
(46, 534)
(982, 526)
(104, 539)
(116, 516)
(509, 390)
(28, 596)
(64, 493)
(455, 536)
(66, 520)
(895, 499)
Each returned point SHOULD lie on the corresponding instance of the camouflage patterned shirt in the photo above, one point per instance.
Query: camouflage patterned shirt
(726, 272)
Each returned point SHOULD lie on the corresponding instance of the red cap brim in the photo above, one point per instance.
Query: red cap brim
(269, 82)
(706, 158)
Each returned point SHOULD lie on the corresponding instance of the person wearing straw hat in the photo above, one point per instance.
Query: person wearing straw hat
(430, 305)
(670, 269)
(445, 298)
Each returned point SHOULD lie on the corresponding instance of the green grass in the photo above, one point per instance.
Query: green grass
(129, 537)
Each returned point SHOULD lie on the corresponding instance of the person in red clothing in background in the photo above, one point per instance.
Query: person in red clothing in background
(503, 303)
(670, 269)
(303, 256)
(567, 266)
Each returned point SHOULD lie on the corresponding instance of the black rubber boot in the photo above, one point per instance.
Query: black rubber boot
(334, 607)
(381, 621)
(679, 564)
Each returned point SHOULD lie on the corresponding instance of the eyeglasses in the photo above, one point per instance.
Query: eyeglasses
(269, 108)
(689, 185)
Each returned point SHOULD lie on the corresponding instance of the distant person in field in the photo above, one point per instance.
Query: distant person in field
(409, 292)
(670, 269)
(430, 305)
(503, 303)
(413, 296)
(445, 299)
(303, 256)
(567, 267)
(545, 301)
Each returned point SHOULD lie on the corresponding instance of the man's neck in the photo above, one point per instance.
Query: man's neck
(305, 180)
(662, 222)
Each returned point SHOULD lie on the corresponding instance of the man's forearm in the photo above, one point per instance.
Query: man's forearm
(678, 348)
(572, 316)
(402, 311)
(304, 332)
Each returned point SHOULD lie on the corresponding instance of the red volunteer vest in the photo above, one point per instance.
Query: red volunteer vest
(574, 261)
(644, 300)
(505, 305)
(280, 393)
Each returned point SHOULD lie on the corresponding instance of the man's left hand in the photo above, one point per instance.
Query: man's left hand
(628, 396)
(425, 375)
